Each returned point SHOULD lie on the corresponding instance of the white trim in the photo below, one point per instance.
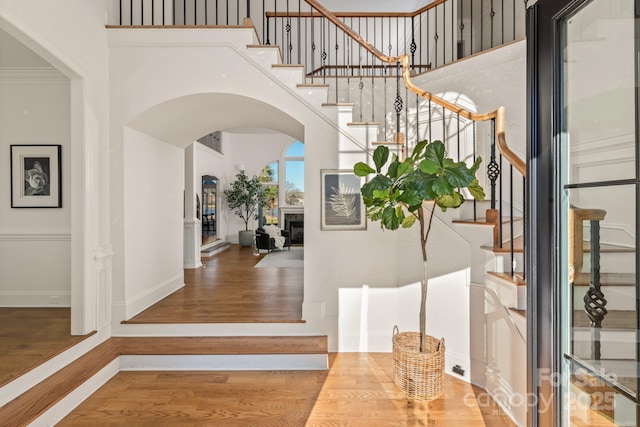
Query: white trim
(35, 298)
(146, 299)
(32, 75)
(67, 404)
(224, 362)
(35, 237)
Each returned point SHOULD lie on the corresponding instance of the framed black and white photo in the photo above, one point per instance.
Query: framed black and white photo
(341, 207)
(36, 176)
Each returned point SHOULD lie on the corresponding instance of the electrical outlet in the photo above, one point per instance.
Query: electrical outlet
(54, 299)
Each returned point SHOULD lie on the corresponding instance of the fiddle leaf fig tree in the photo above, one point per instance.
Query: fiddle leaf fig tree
(398, 195)
(244, 196)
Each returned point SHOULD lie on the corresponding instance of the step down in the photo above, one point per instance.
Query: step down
(34, 403)
(506, 246)
(210, 250)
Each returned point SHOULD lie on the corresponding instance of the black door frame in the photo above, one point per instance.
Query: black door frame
(544, 94)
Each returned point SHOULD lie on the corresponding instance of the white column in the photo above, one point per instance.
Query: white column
(192, 224)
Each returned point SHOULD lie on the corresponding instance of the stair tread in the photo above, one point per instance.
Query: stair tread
(607, 279)
(312, 85)
(387, 143)
(506, 246)
(517, 279)
(615, 319)
(287, 66)
(483, 221)
(608, 247)
(363, 124)
(522, 313)
(339, 104)
(263, 46)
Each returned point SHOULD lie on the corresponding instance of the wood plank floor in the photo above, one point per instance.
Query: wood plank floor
(31, 336)
(357, 390)
(229, 290)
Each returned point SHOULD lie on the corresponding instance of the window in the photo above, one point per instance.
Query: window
(294, 175)
(269, 178)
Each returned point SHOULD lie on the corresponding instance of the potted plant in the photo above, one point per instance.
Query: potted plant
(399, 195)
(243, 198)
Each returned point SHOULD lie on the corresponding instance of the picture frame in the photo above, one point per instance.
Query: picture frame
(36, 176)
(341, 207)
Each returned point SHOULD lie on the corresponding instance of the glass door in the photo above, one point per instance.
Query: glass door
(596, 208)
(209, 197)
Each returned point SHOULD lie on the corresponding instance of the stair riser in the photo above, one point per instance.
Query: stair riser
(264, 57)
(315, 96)
(618, 297)
(619, 345)
(612, 262)
(501, 263)
(291, 77)
(510, 294)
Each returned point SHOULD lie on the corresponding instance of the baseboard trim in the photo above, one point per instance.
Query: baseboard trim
(224, 362)
(35, 299)
(145, 300)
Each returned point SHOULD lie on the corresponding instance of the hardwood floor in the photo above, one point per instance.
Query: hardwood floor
(31, 336)
(229, 290)
(357, 390)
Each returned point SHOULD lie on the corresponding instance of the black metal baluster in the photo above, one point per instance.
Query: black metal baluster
(248, 8)
(268, 21)
(594, 300)
(163, 12)
(421, 42)
(398, 102)
(120, 12)
(336, 73)
(153, 12)
(217, 14)
(287, 27)
(473, 139)
(453, 33)
(444, 33)
(237, 12)
(493, 170)
(141, 12)
(206, 12)
(429, 121)
(481, 26)
(131, 12)
(461, 53)
(412, 45)
(300, 61)
(502, 18)
(323, 55)
(471, 29)
(501, 199)
(513, 238)
(184, 12)
(436, 37)
(313, 46)
(195, 12)
(492, 14)
(458, 139)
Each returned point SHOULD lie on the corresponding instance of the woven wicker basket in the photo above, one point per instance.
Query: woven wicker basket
(418, 375)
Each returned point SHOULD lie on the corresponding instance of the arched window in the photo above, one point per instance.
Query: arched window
(294, 175)
(269, 178)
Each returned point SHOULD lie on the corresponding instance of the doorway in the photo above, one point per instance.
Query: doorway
(208, 214)
(583, 192)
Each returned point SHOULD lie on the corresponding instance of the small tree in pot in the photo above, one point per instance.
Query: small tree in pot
(243, 198)
(397, 197)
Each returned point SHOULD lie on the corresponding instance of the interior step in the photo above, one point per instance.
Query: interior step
(518, 246)
(213, 248)
(614, 319)
(511, 290)
(43, 397)
(607, 279)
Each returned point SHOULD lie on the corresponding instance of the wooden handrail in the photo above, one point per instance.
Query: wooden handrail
(498, 114)
(357, 14)
(577, 217)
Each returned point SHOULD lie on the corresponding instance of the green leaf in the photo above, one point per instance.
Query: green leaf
(381, 194)
(458, 174)
(380, 157)
(392, 171)
(405, 168)
(429, 166)
(418, 149)
(363, 169)
(408, 221)
(442, 187)
(410, 197)
(476, 190)
(476, 165)
(379, 182)
(435, 152)
(399, 214)
(452, 200)
(389, 218)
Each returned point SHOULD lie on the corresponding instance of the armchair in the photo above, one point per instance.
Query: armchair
(265, 238)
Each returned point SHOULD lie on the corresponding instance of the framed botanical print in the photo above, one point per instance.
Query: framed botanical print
(36, 176)
(342, 207)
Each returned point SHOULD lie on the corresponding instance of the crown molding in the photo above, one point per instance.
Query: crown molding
(32, 75)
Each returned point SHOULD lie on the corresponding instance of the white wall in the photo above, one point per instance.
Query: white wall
(35, 244)
(153, 200)
(53, 33)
